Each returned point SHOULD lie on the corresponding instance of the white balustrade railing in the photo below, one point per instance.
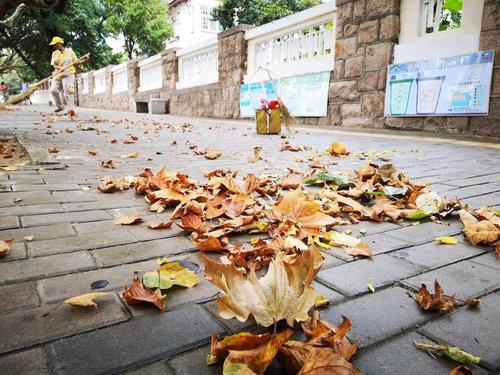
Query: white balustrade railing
(198, 65)
(150, 73)
(41, 97)
(120, 78)
(298, 44)
(85, 83)
(100, 83)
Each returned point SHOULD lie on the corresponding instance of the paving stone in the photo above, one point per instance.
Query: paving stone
(331, 258)
(89, 241)
(49, 187)
(467, 279)
(18, 296)
(489, 260)
(73, 196)
(9, 222)
(474, 180)
(427, 231)
(103, 205)
(68, 217)
(194, 362)
(434, 254)
(474, 191)
(492, 199)
(26, 269)
(36, 209)
(134, 252)
(26, 198)
(399, 355)
(28, 362)
(369, 227)
(379, 243)
(111, 350)
(330, 294)
(377, 316)
(32, 327)
(232, 325)
(474, 330)
(156, 368)
(352, 278)
(39, 233)
(17, 251)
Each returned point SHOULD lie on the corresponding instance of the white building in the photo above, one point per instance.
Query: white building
(192, 21)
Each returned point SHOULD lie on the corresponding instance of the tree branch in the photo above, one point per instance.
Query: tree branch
(7, 24)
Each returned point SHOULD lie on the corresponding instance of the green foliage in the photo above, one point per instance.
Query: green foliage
(143, 24)
(258, 12)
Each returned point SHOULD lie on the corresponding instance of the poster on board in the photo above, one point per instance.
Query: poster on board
(305, 96)
(457, 85)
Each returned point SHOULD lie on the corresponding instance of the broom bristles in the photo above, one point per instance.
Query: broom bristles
(18, 98)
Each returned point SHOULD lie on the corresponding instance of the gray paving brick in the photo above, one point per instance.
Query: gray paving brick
(395, 357)
(33, 328)
(39, 233)
(427, 231)
(156, 368)
(434, 254)
(134, 252)
(194, 362)
(32, 268)
(473, 191)
(377, 316)
(29, 362)
(26, 198)
(9, 222)
(492, 199)
(18, 296)
(473, 330)
(103, 205)
(68, 217)
(87, 241)
(379, 243)
(73, 196)
(489, 260)
(474, 180)
(369, 227)
(17, 251)
(110, 349)
(467, 279)
(49, 187)
(34, 209)
(352, 278)
(232, 325)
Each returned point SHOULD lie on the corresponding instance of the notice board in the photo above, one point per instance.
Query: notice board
(457, 85)
(305, 95)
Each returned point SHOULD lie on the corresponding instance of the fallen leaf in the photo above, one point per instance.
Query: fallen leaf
(285, 292)
(133, 155)
(86, 300)
(28, 238)
(128, 219)
(446, 240)
(479, 232)
(5, 247)
(161, 225)
(461, 370)
(109, 164)
(320, 301)
(212, 154)
(337, 149)
(170, 274)
(473, 302)
(371, 287)
(321, 361)
(94, 151)
(138, 294)
(452, 352)
(210, 244)
(53, 150)
(438, 302)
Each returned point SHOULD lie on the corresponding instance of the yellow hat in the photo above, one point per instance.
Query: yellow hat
(56, 40)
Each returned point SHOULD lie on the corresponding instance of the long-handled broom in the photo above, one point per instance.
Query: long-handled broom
(18, 98)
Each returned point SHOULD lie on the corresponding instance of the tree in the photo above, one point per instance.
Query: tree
(258, 12)
(143, 24)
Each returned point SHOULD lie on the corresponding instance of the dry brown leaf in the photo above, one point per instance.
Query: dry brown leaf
(53, 150)
(109, 164)
(137, 293)
(321, 361)
(161, 225)
(128, 219)
(212, 154)
(86, 300)
(285, 292)
(438, 302)
(5, 247)
(461, 370)
(246, 350)
(337, 149)
(94, 151)
(473, 302)
(211, 244)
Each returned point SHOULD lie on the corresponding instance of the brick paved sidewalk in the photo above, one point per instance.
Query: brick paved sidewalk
(55, 200)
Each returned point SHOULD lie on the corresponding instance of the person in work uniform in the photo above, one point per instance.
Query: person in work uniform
(62, 87)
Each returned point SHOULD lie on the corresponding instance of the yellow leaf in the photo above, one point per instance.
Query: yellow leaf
(320, 301)
(86, 300)
(447, 240)
(170, 274)
(371, 287)
(130, 156)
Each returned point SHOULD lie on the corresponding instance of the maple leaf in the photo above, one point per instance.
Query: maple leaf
(247, 351)
(212, 154)
(161, 225)
(192, 222)
(170, 274)
(285, 292)
(138, 294)
(111, 185)
(321, 361)
(93, 151)
(290, 182)
(109, 164)
(86, 300)
(479, 232)
(5, 247)
(53, 150)
(211, 244)
(438, 302)
(128, 219)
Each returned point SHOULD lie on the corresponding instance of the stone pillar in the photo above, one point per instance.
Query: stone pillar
(365, 36)
(490, 40)
(170, 73)
(232, 50)
(133, 82)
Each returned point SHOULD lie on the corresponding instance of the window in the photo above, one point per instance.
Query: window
(440, 15)
(206, 21)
